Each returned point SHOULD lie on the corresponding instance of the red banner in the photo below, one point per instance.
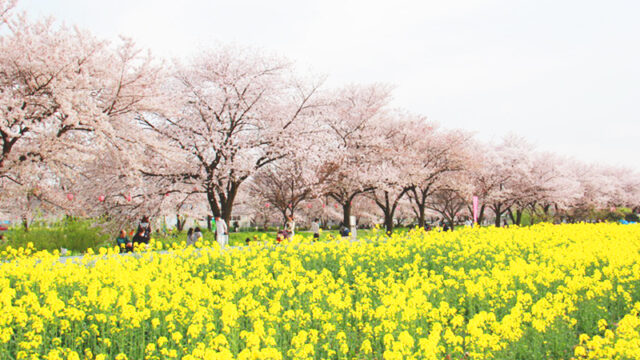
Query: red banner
(475, 209)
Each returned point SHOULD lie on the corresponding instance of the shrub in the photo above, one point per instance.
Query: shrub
(76, 235)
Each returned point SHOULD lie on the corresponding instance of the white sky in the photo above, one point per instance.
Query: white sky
(564, 74)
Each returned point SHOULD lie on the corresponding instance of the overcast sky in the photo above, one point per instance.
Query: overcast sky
(563, 74)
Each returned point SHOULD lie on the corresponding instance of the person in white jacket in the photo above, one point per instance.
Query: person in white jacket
(222, 234)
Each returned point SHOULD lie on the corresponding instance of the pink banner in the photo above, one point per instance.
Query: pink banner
(475, 209)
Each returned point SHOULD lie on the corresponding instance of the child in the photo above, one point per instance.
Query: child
(282, 234)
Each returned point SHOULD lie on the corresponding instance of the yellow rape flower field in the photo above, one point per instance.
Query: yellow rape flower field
(541, 292)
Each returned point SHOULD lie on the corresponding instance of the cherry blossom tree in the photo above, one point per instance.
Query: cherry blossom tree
(522, 187)
(6, 8)
(624, 192)
(603, 187)
(67, 100)
(350, 117)
(450, 197)
(549, 186)
(499, 168)
(436, 153)
(234, 112)
(291, 181)
(395, 161)
(261, 211)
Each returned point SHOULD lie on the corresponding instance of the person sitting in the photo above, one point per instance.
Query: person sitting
(145, 225)
(197, 235)
(139, 238)
(344, 230)
(315, 229)
(124, 244)
(282, 235)
(190, 238)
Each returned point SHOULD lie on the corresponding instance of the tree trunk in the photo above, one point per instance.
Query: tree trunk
(209, 218)
(284, 218)
(481, 214)
(421, 204)
(223, 205)
(25, 224)
(346, 213)
(226, 213)
(180, 224)
(388, 222)
(496, 210)
(213, 203)
(345, 199)
(421, 220)
(388, 210)
(517, 218)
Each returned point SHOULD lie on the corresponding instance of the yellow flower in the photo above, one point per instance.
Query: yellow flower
(420, 295)
(176, 337)
(366, 348)
(162, 341)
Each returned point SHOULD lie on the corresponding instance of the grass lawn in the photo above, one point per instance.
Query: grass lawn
(239, 238)
(79, 235)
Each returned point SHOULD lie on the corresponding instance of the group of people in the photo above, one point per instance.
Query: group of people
(219, 227)
(193, 235)
(288, 232)
(127, 242)
(143, 233)
(141, 236)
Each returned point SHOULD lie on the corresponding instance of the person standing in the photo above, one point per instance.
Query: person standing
(221, 232)
(213, 225)
(291, 227)
(315, 229)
